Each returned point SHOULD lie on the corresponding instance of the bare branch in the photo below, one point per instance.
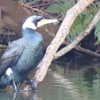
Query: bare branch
(58, 40)
(80, 37)
(25, 5)
(87, 51)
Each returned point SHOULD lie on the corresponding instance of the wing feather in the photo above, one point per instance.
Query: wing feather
(12, 54)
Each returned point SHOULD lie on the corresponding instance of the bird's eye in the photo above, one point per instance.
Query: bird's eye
(36, 21)
(42, 20)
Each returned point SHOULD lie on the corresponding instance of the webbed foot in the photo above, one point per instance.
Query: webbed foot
(33, 84)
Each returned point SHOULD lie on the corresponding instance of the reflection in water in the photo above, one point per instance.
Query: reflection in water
(85, 78)
(4, 95)
(77, 79)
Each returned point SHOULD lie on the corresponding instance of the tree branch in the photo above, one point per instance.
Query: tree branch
(80, 37)
(87, 51)
(58, 40)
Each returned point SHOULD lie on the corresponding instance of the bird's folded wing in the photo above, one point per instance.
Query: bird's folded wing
(11, 55)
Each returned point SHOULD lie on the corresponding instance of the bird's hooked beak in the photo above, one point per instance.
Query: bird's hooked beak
(46, 21)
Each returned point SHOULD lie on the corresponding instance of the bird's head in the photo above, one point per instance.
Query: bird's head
(34, 22)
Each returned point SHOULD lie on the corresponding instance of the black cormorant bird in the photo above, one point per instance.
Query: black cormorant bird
(24, 54)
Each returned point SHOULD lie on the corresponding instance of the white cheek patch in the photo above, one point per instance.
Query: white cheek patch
(9, 71)
(29, 25)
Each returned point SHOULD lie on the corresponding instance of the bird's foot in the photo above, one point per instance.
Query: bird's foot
(33, 84)
(16, 89)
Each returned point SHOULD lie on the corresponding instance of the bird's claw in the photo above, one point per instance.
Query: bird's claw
(33, 84)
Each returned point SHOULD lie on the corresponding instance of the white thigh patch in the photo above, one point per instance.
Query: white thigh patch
(9, 71)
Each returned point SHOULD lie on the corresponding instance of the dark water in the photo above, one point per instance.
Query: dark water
(76, 79)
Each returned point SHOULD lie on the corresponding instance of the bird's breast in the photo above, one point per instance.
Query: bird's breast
(30, 57)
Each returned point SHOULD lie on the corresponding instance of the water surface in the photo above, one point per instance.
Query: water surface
(75, 79)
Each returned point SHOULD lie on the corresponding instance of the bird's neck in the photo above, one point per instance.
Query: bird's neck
(32, 35)
(27, 32)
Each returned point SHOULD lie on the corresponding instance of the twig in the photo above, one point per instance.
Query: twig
(41, 5)
(37, 10)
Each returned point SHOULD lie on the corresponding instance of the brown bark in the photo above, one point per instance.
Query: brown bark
(58, 40)
(80, 37)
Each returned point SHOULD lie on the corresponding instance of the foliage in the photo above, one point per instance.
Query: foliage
(60, 7)
(81, 21)
(84, 19)
(97, 33)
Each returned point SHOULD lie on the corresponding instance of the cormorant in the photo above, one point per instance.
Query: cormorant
(24, 54)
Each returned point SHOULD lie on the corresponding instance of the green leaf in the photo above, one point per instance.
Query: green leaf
(77, 29)
(97, 31)
(87, 19)
(97, 28)
(97, 43)
(60, 7)
(98, 35)
(54, 8)
(76, 22)
(71, 37)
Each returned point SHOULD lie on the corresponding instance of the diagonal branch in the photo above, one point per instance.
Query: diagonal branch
(80, 37)
(78, 48)
(58, 40)
(34, 9)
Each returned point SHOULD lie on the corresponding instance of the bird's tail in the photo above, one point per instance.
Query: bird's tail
(2, 86)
